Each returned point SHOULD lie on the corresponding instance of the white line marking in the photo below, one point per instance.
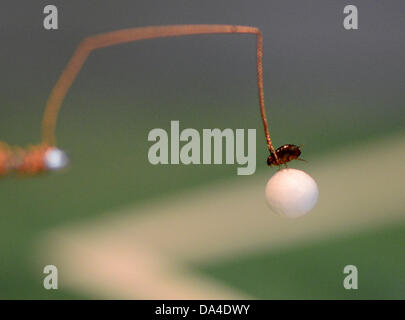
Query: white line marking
(142, 252)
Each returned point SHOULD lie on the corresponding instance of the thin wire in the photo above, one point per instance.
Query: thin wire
(103, 40)
(259, 64)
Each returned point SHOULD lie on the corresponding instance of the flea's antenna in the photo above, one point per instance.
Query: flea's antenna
(103, 40)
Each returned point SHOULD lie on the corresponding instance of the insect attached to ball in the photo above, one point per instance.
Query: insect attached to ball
(289, 192)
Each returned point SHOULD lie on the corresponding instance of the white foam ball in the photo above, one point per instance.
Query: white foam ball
(56, 159)
(291, 193)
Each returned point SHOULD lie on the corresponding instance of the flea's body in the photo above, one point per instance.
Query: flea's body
(284, 154)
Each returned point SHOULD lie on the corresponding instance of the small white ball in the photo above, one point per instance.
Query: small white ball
(291, 193)
(56, 159)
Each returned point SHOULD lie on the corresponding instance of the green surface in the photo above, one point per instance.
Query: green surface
(110, 170)
(315, 270)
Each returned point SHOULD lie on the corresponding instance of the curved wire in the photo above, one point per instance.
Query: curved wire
(108, 39)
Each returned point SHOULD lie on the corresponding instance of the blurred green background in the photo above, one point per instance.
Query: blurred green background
(325, 87)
